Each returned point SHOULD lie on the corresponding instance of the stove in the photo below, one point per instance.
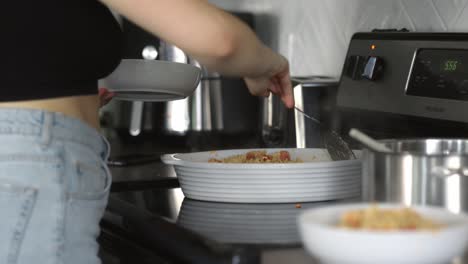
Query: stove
(393, 85)
(397, 85)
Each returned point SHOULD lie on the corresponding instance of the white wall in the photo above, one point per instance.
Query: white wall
(314, 34)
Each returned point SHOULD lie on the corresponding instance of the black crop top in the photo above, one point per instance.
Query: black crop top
(55, 48)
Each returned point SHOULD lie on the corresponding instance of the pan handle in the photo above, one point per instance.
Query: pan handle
(133, 160)
(171, 159)
(443, 172)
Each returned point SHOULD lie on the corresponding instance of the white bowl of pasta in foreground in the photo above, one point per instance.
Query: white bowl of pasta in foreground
(388, 234)
(281, 176)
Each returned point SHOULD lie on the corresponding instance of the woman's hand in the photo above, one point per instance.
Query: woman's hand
(277, 82)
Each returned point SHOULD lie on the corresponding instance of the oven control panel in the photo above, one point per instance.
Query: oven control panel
(439, 73)
(417, 74)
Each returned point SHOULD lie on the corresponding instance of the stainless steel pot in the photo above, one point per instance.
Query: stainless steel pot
(418, 172)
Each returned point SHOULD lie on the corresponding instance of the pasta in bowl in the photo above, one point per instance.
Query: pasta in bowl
(259, 156)
(380, 219)
(439, 236)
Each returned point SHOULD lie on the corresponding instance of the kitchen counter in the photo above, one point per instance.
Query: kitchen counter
(273, 252)
(153, 189)
(270, 253)
(149, 176)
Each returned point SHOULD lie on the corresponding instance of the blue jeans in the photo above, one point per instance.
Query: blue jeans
(54, 185)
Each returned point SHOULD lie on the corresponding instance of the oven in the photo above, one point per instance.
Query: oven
(397, 85)
(393, 85)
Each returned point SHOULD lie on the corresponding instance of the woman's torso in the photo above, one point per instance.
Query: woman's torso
(53, 53)
(84, 107)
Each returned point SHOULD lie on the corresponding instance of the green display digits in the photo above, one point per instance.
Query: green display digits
(450, 65)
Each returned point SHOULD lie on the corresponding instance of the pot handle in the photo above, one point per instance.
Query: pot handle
(443, 172)
(171, 159)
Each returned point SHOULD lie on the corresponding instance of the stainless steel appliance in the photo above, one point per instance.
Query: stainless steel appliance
(410, 85)
(176, 113)
(215, 105)
(207, 103)
(204, 111)
(316, 96)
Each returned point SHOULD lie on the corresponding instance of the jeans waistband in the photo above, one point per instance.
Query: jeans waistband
(52, 126)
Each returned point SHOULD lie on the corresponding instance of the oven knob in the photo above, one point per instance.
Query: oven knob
(462, 88)
(372, 68)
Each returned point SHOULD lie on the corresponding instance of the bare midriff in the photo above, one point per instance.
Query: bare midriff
(85, 107)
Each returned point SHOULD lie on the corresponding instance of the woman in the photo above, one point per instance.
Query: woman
(54, 182)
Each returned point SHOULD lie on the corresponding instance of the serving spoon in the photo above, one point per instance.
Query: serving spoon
(336, 146)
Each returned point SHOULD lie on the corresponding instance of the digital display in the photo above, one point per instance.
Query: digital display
(450, 65)
(439, 73)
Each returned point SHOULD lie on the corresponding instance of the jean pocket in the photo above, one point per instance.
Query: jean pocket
(16, 204)
(92, 181)
(85, 208)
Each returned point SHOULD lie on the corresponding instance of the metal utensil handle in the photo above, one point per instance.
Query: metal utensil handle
(368, 141)
(306, 115)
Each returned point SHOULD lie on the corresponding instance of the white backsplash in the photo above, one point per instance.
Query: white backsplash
(314, 34)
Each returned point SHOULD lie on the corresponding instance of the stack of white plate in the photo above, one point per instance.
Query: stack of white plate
(317, 178)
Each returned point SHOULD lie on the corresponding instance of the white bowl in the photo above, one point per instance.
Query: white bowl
(152, 80)
(318, 178)
(331, 244)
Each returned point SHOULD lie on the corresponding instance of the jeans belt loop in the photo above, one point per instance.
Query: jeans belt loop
(46, 130)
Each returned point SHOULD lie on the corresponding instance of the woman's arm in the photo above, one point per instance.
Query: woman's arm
(213, 37)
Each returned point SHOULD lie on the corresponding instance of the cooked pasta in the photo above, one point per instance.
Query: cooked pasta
(260, 156)
(374, 218)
